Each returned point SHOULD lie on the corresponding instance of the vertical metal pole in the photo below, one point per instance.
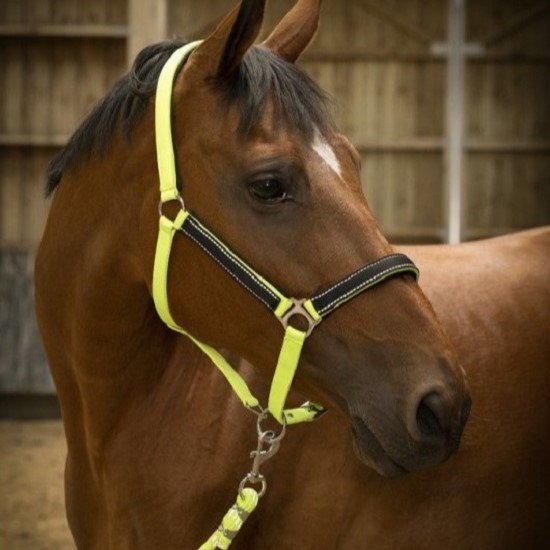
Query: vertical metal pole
(455, 119)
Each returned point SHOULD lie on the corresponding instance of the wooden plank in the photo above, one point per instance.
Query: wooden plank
(517, 22)
(91, 81)
(508, 102)
(50, 30)
(13, 12)
(35, 207)
(92, 12)
(40, 12)
(11, 203)
(34, 140)
(189, 19)
(64, 66)
(507, 190)
(399, 23)
(364, 57)
(413, 145)
(531, 58)
(37, 91)
(148, 21)
(505, 147)
(404, 191)
(417, 235)
(428, 58)
(65, 13)
(116, 12)
(12, 108)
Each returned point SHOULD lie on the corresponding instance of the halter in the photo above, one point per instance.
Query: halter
(313, 310)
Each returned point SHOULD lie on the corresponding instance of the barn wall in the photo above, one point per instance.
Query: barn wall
(389, 96)
(58, 58)
(381, 61)
(507, 126)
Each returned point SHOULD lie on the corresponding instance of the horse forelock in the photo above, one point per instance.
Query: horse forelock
(261, 77)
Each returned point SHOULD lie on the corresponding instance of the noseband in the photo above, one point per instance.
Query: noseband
(313, 310)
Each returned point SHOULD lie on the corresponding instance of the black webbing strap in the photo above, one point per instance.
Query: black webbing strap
(325, 301)
(369, 275)
(230, 262)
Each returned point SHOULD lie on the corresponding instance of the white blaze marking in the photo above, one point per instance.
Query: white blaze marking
(325, 151)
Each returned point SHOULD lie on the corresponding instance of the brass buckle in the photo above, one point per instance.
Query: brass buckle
(299, 309)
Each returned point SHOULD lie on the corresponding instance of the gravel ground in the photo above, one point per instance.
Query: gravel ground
(32, 510)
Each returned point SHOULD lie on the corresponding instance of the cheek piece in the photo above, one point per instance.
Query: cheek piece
(284, 308)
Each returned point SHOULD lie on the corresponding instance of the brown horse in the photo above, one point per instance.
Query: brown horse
(157, 442)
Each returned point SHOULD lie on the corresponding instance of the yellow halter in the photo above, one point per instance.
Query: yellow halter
(312, 309)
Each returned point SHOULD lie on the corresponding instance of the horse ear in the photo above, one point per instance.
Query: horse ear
(295, 31)
(220, 54)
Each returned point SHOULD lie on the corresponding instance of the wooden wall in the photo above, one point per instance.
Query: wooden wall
(58, 58)
(507, 123)
(383, 61)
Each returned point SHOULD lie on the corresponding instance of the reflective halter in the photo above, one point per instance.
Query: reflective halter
(313, 309)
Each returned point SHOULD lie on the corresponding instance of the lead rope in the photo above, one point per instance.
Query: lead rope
(247, 497)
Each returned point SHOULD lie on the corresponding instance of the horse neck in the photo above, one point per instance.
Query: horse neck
(111, 356)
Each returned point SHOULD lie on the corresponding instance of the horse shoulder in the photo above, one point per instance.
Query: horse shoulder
(493, 299)
(504, 280)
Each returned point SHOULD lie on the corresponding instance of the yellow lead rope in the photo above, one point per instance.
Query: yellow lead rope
(247, 500)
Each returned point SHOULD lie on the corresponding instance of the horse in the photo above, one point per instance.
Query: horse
(159, 445)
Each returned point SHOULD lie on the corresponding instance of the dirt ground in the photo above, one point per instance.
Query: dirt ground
(32, 510)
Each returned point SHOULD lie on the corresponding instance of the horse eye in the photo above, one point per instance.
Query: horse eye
(268, 190)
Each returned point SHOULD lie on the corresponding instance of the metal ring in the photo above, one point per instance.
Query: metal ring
(178, 198)
(254, 479)
(299, 309)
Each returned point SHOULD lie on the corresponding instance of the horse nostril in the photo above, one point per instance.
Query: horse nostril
(431, 417)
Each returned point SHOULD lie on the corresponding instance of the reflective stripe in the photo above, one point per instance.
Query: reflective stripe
(367, 276)
(229, 261)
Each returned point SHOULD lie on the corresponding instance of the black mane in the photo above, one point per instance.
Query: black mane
(261, 75)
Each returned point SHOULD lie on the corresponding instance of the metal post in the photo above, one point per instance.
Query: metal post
(455, 119)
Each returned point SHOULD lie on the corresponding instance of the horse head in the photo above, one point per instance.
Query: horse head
(262, 164)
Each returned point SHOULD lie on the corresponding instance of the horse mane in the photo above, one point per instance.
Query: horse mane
(262, 75)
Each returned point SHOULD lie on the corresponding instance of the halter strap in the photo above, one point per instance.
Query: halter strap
(284, 308)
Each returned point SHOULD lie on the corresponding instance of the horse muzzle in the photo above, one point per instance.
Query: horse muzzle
(429, 434)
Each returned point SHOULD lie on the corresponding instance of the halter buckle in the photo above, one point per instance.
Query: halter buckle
(299, 309)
